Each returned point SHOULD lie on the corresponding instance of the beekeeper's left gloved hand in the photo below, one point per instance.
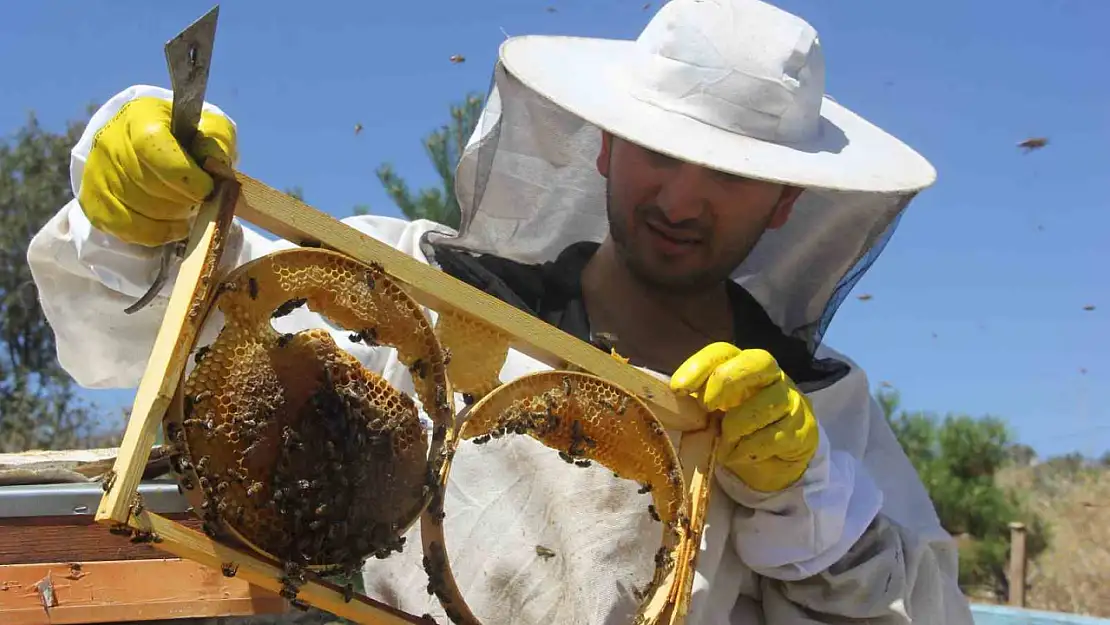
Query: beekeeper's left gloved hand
(768, 432)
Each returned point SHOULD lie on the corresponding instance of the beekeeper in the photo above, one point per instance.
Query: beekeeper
(695, 194)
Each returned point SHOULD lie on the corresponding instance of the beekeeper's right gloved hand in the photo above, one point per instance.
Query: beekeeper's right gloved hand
(138, 183)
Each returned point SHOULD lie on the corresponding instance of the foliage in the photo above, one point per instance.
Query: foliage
(957, 459)
(38, 404)
(1073, 574)
(444, 148)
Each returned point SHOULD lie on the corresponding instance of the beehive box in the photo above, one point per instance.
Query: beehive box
(58, 566)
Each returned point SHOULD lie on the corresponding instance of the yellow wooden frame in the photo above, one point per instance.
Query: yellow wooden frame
(238, 195)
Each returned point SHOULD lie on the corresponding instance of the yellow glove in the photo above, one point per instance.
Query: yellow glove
(138, 184)
(768, 432)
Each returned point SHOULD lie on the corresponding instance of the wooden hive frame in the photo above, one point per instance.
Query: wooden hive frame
(238, 195)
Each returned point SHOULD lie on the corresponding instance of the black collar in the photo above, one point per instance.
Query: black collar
(552, 291)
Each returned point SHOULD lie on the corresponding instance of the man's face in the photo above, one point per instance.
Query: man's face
(680, 226)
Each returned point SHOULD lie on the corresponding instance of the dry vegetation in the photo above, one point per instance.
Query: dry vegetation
(1073, 574)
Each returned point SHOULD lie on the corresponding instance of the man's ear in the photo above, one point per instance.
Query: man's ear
(784, 206)
(603, 154)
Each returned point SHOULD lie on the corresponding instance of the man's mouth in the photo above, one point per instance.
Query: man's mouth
(676, 237)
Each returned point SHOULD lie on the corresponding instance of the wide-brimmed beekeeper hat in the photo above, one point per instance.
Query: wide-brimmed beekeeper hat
(734, 85)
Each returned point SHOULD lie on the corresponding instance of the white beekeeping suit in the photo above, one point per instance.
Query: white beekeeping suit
(855, 540)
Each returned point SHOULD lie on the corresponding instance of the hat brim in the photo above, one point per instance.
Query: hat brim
(582, 76)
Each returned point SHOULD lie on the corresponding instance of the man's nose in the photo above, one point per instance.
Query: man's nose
(682, 195)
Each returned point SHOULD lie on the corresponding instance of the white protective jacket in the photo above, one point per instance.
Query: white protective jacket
(856, 540)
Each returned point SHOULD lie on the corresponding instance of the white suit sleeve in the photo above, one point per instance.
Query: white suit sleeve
(826, 549)
(85, 277)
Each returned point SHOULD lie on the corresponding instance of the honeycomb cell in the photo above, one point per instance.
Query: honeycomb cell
(308, 456)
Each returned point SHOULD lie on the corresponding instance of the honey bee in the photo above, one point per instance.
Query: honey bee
(654, 514)
(229, 568)
(457, 58)
(544, 552)
(201, 353)
(137, 505)
(253, 286)
(226, 286)
(368, 336)
(622, 407)
(605, 341)
(254, 488)
(284, 339)
(288, 307)
(1034, 143)
(109, 480)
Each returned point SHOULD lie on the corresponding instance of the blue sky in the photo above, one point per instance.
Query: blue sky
(978, 300)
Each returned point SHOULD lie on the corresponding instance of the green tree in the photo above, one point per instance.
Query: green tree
(39, 408)
(957, 458)
(444, 148)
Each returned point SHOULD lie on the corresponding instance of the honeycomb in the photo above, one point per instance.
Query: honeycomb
(478, 352)
(587, 419)
(288, 442)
